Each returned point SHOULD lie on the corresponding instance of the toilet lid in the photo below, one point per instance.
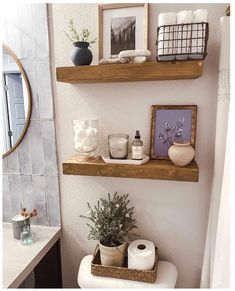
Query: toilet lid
(166, 277)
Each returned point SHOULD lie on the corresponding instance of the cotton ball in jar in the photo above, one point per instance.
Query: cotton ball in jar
(83, 124)
(78, 147)
(80, 132)
(94, 142)
(91, 131)
(77, 139)
(88, 149)
(87, 144)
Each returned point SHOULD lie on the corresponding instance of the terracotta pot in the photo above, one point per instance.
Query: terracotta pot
(181, 153)
(112, 256)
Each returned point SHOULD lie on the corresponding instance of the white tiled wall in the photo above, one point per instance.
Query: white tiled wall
(30, 173)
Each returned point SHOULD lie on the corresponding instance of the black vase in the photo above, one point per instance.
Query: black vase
(81, 55)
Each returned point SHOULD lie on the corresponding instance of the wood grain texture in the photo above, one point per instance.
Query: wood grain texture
(149, 71)
(154, 169)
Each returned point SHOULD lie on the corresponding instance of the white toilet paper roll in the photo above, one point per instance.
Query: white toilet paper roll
(141, 255)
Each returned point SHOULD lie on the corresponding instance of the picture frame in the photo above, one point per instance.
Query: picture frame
(170, 123)
(122, 27)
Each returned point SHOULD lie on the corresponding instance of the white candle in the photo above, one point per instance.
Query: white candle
(118, 147)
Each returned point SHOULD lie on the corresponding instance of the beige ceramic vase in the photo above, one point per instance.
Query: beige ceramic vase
(112, 256)
(181, 153)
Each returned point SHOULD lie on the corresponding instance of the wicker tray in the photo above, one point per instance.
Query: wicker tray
(122, 272)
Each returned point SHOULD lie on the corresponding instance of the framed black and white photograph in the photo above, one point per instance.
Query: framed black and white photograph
(122, 27)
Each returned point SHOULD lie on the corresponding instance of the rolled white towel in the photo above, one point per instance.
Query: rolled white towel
(111, 61)
(200, 15)
(183, 33)
(165, 34)
(198, 30)
(169, 18)
(185, 16)
(134, 53)
(198, 38)
(140, 60)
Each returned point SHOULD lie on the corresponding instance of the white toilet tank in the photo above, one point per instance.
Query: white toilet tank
(166, 277)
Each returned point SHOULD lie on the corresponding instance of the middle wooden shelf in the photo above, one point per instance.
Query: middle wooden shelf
(154, 169)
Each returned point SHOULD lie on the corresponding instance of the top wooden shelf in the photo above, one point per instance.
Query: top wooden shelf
(149, 71)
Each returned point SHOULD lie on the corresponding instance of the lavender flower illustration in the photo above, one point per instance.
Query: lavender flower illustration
(172, 133)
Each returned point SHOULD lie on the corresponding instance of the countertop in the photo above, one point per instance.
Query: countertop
(20, 260)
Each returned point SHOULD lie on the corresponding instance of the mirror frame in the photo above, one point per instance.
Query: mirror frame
(28, 89)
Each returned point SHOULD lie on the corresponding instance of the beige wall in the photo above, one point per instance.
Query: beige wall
(172, 214)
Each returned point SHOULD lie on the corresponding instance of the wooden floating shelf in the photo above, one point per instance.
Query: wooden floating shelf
(154, 169)
(150, 71)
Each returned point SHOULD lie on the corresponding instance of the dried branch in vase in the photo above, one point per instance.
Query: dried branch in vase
(27, 214)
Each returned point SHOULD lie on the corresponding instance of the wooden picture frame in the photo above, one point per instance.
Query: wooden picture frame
(121, 7)
(170, 123)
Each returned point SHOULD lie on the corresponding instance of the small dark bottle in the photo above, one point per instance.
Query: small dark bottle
(137, 147)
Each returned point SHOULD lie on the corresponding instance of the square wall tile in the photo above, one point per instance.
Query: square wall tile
(11, 31)
(15, 193)
(30, 70)
(53, 200)
(44, 89)
(36, 147)
(13, 162)
(26, 31)
(25, 164)
(48, 131)
(40, 203)
(27, 192)
(4, 165)
(40, 25)
(6, 206)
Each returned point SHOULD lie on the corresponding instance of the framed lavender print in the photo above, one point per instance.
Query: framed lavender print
(171, 123)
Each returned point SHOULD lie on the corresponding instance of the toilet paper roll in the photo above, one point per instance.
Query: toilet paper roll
(141, 255)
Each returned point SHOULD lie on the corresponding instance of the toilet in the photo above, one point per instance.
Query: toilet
(166, 277)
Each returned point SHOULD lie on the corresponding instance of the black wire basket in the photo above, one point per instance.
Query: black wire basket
(182, 42)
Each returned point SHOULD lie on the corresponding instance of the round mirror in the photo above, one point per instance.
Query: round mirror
(16, 101)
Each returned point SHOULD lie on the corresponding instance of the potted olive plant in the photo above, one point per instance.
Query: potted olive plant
(111, 222)
(81, 55)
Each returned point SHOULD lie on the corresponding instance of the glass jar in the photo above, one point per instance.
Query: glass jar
(86, 139)
(118, 146)
(26, 236)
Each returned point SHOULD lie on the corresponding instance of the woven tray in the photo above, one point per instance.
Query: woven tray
(122, 272)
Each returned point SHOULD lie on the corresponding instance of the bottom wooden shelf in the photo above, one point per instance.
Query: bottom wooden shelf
(154, 169)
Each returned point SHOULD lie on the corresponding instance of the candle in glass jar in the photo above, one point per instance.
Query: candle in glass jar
(118, 146)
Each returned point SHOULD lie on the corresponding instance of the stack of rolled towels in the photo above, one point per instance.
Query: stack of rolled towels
(182, 32)
(128, 56)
